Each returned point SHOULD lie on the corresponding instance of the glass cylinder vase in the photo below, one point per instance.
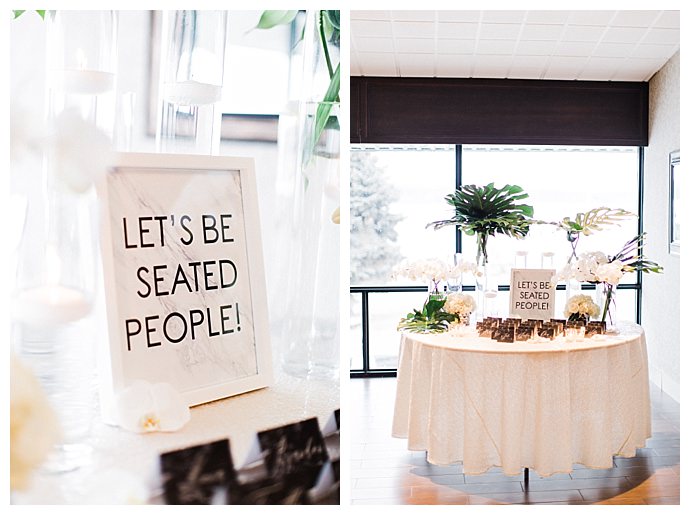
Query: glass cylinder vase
(606, 300)
(52, 299)
(313, 316)
(81, 58)
(191, 81)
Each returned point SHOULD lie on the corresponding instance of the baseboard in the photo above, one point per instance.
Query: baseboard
(667, 384)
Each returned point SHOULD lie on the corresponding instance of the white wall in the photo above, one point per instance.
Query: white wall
(661, 293)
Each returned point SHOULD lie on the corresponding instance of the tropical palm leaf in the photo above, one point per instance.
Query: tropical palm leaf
(593, 220)
(489, 210)
(431, 319)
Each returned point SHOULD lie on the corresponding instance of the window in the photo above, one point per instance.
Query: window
(396, 191)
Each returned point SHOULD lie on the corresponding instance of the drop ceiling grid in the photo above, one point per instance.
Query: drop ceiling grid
(584, 45)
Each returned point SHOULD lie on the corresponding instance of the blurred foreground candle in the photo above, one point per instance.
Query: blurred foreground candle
(50, 305)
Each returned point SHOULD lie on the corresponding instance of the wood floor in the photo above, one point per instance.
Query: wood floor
(383, 471)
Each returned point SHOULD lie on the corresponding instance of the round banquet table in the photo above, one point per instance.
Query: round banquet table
(543, 406)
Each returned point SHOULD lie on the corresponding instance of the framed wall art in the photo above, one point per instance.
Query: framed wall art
(675, 201)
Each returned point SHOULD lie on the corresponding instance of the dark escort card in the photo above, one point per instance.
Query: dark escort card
(547, 332)
(558, 327)
(591, 330)
(601, 323)
(486, 331)
(295, 452)
(492, 321)
(268, 490)
(534, 322)
(524, 333)
(505, 334)
(193, 475)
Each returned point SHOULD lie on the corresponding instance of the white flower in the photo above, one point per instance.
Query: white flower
(459, 304)
(144, 407)
(433, 269)
(33, 424)
(610, 273)
(581, 305)
(80, 152)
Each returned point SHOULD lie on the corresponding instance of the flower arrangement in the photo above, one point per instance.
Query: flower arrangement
(581, 307)
(487, 211)
(431, 319)
(433, 271)
(598, 268)
(459, 304)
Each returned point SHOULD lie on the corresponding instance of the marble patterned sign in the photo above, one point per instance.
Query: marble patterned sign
(532, 296)
(184, 275)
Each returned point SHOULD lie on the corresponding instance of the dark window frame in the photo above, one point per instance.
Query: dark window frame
(365, 291)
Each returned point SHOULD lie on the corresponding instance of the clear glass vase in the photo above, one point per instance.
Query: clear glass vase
(52, 299)
(312, 320)
(606, 300)
(191, 81)
(81, 57)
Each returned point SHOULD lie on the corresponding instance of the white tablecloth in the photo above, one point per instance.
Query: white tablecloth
(539, 405)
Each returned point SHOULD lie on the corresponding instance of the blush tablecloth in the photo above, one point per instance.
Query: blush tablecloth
(544, 406)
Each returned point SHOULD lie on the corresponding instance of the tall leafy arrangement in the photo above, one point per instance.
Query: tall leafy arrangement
(586, 223)
(486, 211)
(329, 33)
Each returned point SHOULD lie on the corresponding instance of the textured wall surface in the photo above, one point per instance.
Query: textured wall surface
(661, 293)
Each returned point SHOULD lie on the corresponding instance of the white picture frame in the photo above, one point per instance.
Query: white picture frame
(675, 203)
(183, 277)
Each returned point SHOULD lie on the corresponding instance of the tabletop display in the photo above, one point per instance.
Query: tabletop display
(536, 388)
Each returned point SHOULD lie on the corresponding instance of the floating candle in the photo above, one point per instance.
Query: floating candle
(50, 305)
(83, 82)
(191, 93)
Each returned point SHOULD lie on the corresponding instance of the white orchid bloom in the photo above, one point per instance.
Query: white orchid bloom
(143, 407)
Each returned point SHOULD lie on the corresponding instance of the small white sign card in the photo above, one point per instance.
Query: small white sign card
(184, 276)
(531, 293)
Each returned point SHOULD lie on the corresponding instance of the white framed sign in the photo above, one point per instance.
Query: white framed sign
(531, 293)
(184, 276)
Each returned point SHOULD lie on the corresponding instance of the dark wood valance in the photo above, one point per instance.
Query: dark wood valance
(498, 111)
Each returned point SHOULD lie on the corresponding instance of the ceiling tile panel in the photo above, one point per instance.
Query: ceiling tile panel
(621, 50)
(413, 15)
(596, 18)
(495, 47)
(582, 33)
(461, 16)
(541, 32)
(499, 30)
(455, 46)
(374, 45)
(668, 20)
(634, 18)
(654, 51)
(662, 36)
(413, 29)
(457, 30)
(415, 45)
(623, 34)
(575, 48)
(371, 28)
(370, 15)
(503, 16)
(547, 17)
(535, 47)
(378, 64)
(416, 65)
